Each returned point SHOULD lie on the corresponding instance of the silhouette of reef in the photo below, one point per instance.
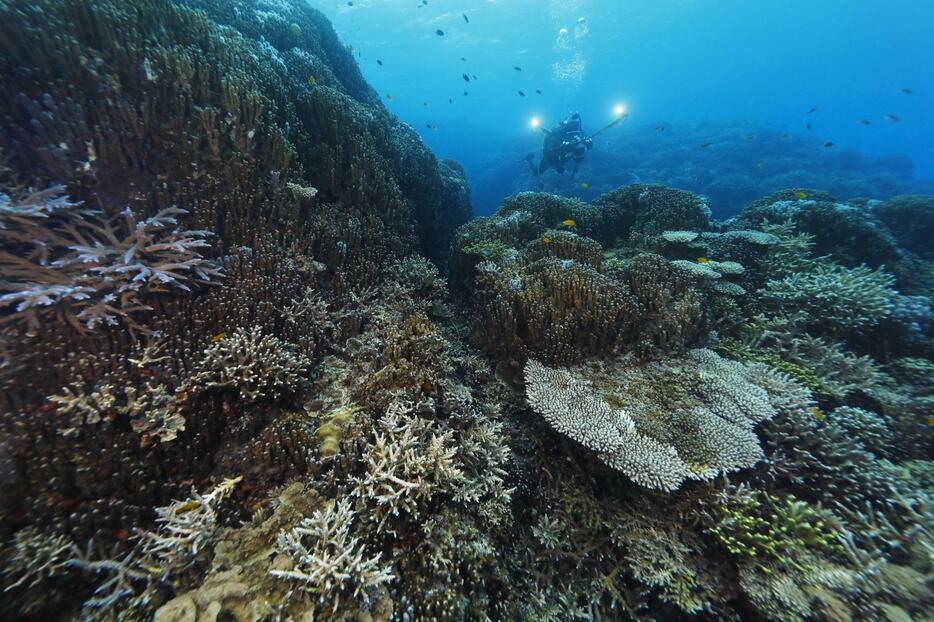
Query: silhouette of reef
(257, 362)
(730, 163)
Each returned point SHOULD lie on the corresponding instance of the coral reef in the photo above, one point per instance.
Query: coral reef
(225, 267)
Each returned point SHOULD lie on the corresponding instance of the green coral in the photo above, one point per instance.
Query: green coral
(765, 528)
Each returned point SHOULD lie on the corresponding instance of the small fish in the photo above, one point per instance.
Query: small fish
(450, 100)
(439, 32)
(760, 165)
(546, 240)
(930, 419)
(312, 80)
(752, 136)
(705, 145)
(801, 195)
(518, 68)
(809, 127)
(388, 97)
(465, 17)
(428, 125)
(379, 62)
(474, 76)
(702, 260)
(584, 185)
(865, 122)
(568, 223)
(349, 2)
(521, 94)
(187, 507)
(817, 412)
(786, 135)
(892, 118)
(465, 93)
(464, 59)
(828, 144)
(295, 29)
(813, 110)
(466, 77)
(425, 104)
(539, 91)
(906, 91)
(218, 337)
(659, 128)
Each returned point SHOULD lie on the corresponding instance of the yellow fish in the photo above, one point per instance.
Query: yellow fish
(388, 97)
(584, 185)
(930, 419)
(312, 80)
(568, 223)
(702, 260)
(546, 240)
(818, 413)
(296, 30)
(801, 195)
(760, 165)
(218, 337)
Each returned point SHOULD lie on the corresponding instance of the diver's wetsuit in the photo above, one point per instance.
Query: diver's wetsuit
(563, 143)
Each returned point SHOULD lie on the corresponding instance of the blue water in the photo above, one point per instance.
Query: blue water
(763, 62)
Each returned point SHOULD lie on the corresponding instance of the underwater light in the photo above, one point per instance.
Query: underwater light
(535, 122)
(619, 110)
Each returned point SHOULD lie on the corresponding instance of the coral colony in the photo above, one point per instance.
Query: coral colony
(258, 364)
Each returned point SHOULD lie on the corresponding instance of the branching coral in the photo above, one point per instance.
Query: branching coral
(407, 462)
(252, 364)
(133, 580)
(766, 529)
(834, 297)
(327, 560)
(59, 258)
(153, 412)
(700, 426)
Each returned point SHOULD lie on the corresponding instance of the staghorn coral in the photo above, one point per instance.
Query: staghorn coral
(701, 426)
(407, 463)
(159, 558)
(252, 365)
(326, 560)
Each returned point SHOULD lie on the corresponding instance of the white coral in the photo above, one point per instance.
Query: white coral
(327, 559)
(682, 418)
(406, 464)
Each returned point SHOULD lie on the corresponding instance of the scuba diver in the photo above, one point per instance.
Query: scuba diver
(563, 143)
(566, 142)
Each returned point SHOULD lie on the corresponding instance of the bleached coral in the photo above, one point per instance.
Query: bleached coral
(701, 426)
(132, 581)
(60, 258)
(407, 462)
(254, 364)
(327, 559)
(33, 558)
